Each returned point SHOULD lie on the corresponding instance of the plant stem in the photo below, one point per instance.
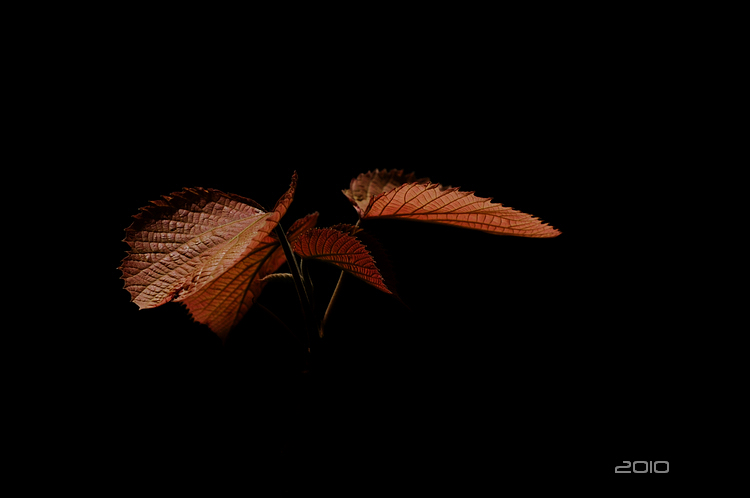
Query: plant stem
(304, 299)
(333, 297)
(279, 320)
(307, 282)
(330, 304)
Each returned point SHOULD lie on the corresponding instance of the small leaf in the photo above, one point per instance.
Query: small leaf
(207, 249)
(434, 203)
(342, 250)
(286, 277)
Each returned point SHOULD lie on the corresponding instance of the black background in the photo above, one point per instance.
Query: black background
(477, 355)
(510, 355)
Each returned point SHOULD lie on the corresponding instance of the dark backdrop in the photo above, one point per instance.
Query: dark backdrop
(506, 353)
(480, 352)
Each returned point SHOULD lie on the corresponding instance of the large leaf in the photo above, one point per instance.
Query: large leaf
(371, 184)
(340, 247)
(206, 248)
(224, 301)
(431, 202)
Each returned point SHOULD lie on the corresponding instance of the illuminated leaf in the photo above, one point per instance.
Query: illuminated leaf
(374, 195)
(369, 185)
(207, 249)
(223, 302)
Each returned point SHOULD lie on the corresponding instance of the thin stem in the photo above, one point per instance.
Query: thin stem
(293, 266)
(330, 304)
(307, 281)
(333, 297)
(304, 299)
(279, 320)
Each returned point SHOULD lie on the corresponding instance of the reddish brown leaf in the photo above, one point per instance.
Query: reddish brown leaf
(431, 202)
(278, 258)
(343, 250)
(207, 249)
(371, 184)
(224, 301)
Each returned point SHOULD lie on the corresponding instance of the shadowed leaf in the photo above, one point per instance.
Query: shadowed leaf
(224, 301)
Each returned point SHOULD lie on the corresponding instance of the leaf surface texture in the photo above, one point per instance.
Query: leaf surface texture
(207, 249)
(341, 248)
(374, 195)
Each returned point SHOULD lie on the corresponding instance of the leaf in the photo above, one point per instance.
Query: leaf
(223, 302)
(298, 227)
(207, 249)
(371, 184)
(340, 248)
(431, 202)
